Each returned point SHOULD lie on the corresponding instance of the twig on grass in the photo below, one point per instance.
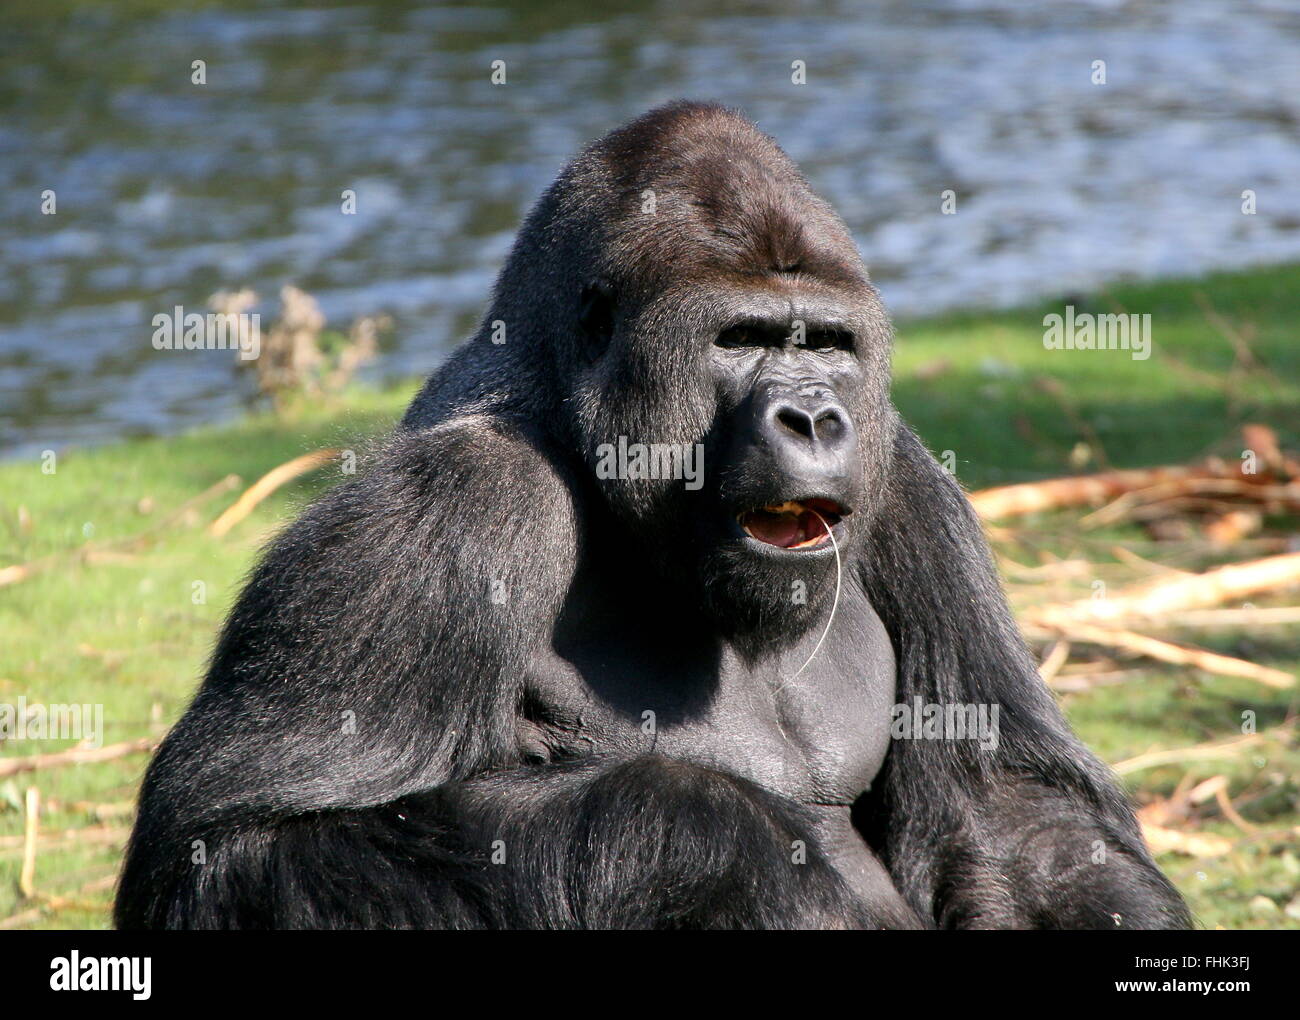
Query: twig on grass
(1199, 752)
(1056, 658)
(266, 485)
(1167, 651)
(1169, 494)
(54, 904)
(88, 835)
(1155, 599)
(73, 756)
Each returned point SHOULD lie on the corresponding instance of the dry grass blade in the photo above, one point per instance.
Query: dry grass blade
(31, 823)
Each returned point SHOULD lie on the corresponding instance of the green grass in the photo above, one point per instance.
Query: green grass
(122, 627)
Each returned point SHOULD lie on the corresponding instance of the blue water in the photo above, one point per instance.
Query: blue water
(168, 191)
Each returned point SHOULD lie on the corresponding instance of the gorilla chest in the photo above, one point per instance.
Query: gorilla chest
(812, 727)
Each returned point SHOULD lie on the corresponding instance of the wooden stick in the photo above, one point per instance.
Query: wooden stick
(1103, 487)
(1162, 840)
(1167, 594)
(32, 812)
(1132, 559)
(22, 918)
(267, 484)
(1253, 617)
(1057, 493)
(1056, 658)
(53, 904)
(1166, 492)
(1077, 683)
(88, 835)
(1230, 811)
(1179, 655)
(215, 489)
(17, 572)
(1224, 749)
(73, 756)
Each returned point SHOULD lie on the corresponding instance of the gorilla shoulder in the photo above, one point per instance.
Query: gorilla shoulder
(486, 484)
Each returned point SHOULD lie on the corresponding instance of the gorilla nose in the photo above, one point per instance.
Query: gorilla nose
(825, 423)
(813, 423)
(810, 436)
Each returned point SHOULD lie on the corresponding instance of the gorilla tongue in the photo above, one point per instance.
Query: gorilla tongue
(790, 525)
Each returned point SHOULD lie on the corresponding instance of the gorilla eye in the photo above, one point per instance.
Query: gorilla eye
(829, 340)
(737, 336)
(596, 317)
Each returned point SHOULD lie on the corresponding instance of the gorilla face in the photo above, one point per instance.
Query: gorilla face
(790, 464)
(780, 383)
(791, 458)
(723, 308)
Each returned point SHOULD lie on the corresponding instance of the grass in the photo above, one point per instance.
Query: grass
(130, 627)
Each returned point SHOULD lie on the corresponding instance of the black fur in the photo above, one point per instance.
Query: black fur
(428, 707)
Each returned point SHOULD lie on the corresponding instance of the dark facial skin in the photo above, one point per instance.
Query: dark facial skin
(786, 389)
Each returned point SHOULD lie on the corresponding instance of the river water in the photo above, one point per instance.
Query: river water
(167, 191)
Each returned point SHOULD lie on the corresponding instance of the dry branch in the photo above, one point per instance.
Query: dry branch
(1178, 492)
(1195, 844)
(1155, 483)
(1056, 658)
(266, 485)
(53, 904)
(1230, 811)
(1155, 599)
(1224, 749)
(1166, 651)
(1057, 493)
(1077, 683)
(1251, 617)
(89, 835)
(73, 756)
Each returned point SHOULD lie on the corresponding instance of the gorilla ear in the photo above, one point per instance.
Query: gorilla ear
(596, 316)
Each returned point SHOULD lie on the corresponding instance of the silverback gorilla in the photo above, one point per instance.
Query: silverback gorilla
(486, 685)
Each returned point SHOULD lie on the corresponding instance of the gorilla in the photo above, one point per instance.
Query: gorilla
(611, 632)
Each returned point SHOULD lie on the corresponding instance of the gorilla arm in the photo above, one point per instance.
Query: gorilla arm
(352, 758)
(1033, 834)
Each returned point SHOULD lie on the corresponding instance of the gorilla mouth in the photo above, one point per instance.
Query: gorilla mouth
(795, 524)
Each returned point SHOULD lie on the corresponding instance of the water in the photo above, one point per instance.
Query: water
(168, 191)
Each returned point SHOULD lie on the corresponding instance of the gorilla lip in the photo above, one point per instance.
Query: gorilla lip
(794, 524)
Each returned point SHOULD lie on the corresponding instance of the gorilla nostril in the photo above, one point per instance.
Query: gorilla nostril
(829, 425)
(797, 421)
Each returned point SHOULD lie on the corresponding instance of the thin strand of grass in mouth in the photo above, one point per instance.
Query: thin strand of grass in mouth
(839, 576)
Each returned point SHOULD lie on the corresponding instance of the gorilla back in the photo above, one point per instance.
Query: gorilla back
(608, 633)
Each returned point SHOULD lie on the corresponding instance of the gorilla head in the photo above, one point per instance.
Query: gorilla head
(698, 292)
